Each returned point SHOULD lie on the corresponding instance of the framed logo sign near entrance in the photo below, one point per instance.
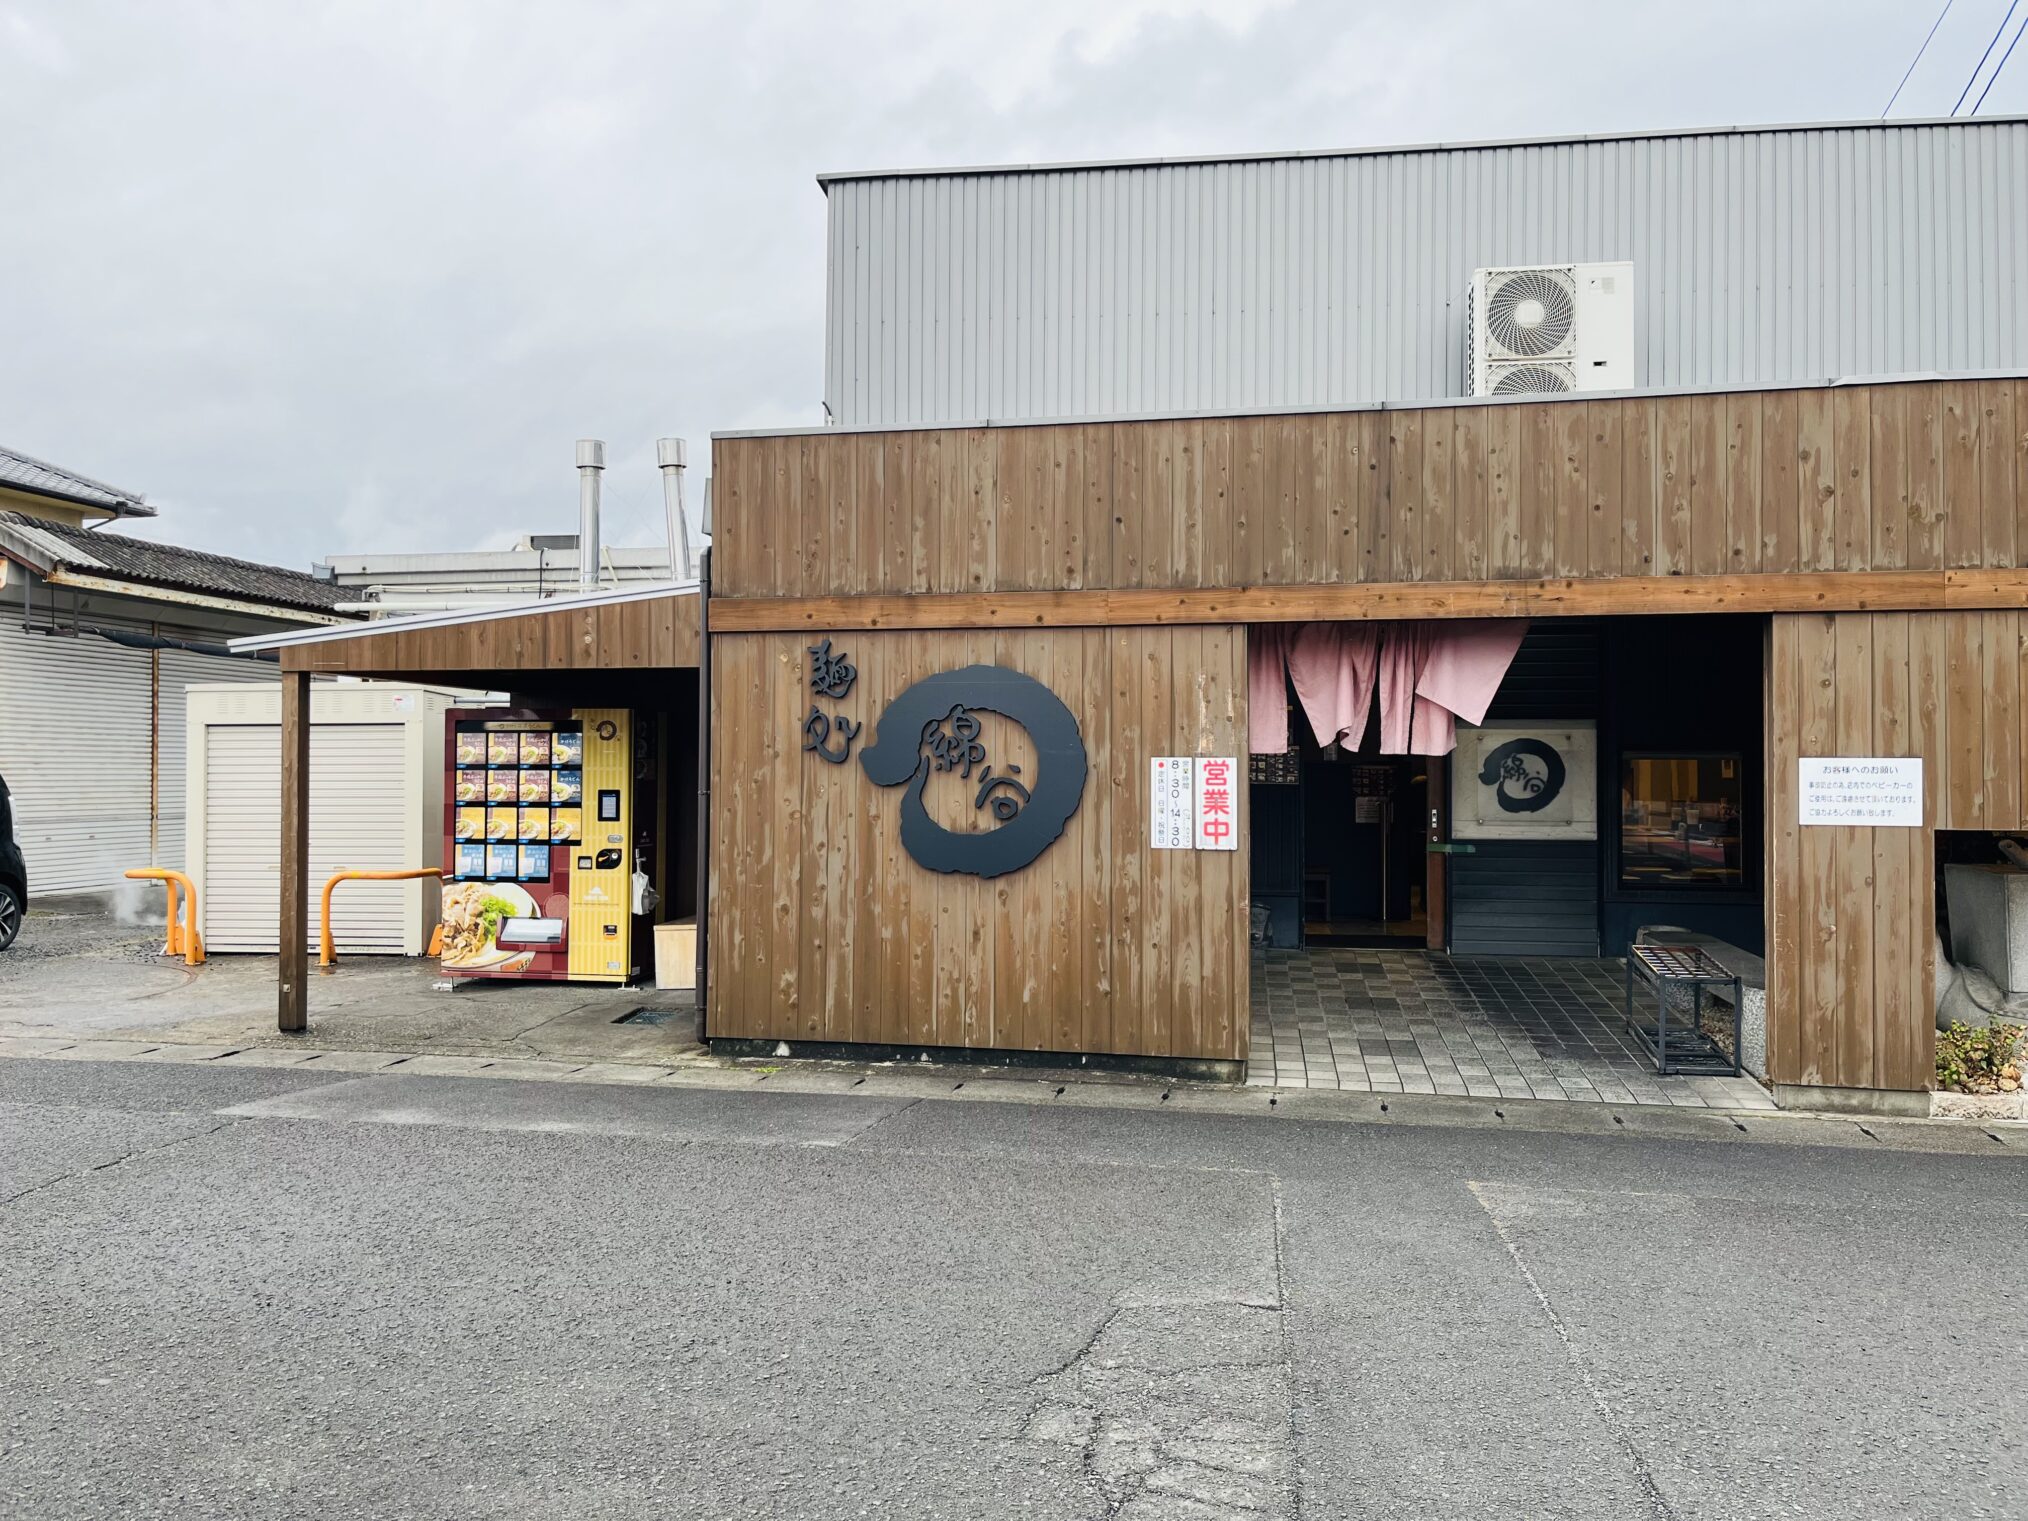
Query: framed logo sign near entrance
(1525, 782)
(932, 728)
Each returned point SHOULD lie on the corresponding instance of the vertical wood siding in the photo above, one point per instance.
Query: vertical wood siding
(1915, 475)
(1851, 951)
(823, 928)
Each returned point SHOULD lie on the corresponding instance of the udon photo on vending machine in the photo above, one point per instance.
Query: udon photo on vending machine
(536, 824)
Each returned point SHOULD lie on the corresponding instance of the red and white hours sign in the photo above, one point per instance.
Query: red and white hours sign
(1193, 802)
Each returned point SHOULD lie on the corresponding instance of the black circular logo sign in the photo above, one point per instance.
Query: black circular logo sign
(930, 728)
(1526, 774)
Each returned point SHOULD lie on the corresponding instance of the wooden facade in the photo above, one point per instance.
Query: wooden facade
(1851, 911)
(824, 931)
(1882, 528)
(1911, 476)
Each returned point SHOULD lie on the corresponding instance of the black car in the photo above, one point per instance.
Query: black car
(13, 875)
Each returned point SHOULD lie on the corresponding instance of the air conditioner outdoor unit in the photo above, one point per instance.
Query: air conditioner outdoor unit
(1542, 329)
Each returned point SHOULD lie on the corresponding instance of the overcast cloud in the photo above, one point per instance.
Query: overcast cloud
(352, 276)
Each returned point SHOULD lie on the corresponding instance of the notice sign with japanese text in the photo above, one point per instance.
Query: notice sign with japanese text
(1867, 791)
(1215, 808)
(1172, 802)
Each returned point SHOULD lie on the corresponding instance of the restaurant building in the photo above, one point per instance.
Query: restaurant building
(1208, 559)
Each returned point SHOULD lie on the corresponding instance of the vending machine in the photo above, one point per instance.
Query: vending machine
(537, 807)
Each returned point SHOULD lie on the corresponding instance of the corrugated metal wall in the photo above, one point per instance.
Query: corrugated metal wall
(1760, 257)
(75, 744)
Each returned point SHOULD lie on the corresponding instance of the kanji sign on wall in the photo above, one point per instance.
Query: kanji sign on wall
(1215, 803)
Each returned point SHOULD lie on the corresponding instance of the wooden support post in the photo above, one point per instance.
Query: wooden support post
(293, 1010)
(703, 976)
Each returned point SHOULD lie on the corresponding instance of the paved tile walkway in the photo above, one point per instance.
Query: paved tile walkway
(1494, 1027)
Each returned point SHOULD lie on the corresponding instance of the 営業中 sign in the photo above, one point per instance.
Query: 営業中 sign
(1215, 803)
(1861, 790)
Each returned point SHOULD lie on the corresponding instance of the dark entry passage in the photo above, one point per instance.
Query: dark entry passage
(1338, 845)
(1353, 849)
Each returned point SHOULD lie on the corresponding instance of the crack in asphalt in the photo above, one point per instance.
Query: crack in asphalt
(1657, 1503)
(1083, 1351)
(1182, 1404)
(120, 1161)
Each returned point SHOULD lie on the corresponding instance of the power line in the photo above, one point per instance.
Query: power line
(1985, 55)
(1917, 59)
(2023, 27)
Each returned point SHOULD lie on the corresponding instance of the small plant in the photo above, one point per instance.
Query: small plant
(1970, 1059)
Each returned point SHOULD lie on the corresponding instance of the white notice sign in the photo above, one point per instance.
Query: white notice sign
(1172, 786)
(1871, 791)
(1216, 809)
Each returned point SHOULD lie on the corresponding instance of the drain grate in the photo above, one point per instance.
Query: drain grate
(647, 1016)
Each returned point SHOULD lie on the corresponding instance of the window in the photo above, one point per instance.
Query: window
(1680, 821)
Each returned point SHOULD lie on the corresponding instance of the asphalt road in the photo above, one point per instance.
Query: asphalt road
(272, 1293)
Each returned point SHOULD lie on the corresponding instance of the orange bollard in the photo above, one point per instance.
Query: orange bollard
(172, 942)
(183, 939)
(327, 953)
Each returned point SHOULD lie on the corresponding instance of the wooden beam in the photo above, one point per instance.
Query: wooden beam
(1827, 592)
(293, 1008)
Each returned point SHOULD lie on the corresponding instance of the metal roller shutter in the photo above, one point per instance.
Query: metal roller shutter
(357, 811)
(74, 748)
(179, 670)
(1535, 897)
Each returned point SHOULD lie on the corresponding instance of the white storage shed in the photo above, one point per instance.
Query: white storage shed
(376, 804)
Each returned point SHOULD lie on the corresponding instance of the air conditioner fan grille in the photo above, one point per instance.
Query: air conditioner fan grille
(1530, 313)
(1533, 379)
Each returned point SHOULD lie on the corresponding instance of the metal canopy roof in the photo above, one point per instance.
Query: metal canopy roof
(385, 626)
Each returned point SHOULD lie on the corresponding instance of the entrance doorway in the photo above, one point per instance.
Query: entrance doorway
(1365, 877)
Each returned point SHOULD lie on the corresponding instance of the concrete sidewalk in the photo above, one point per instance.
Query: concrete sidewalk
(1001, 1086)
(84, 987)
(81, 974)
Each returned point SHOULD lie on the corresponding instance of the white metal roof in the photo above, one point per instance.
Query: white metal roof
(1270, 156)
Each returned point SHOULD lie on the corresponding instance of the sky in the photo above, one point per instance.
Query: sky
(352, 276)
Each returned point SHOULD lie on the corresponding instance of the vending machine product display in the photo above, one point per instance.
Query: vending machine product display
(537, 813)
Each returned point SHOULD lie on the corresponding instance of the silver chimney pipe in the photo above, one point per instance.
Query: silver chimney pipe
(671, 455)
(591, 463)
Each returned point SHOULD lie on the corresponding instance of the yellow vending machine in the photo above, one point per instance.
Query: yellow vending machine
(601, 909)
(538, 808)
